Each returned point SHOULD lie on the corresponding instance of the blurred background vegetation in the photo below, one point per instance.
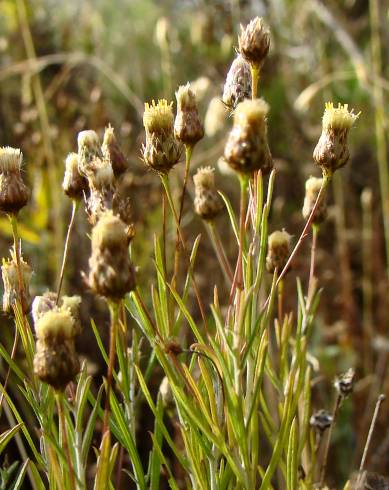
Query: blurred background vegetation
(69, 66)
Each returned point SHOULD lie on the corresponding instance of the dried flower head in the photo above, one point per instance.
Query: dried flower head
(74, 184)
(331, 151)
(9, 271)
(321, 420)
(247, 148)
(112, 152)
(238, 83)
(43, 304)
(13, 192)
(278, 251)
(312, 189)
(161, 151)
(121, 203)
(111, 274)
(187, 126)
(55, 325)
(254, 42)
(72, 304)
(88, 151)
(207, 201)
(344, 383)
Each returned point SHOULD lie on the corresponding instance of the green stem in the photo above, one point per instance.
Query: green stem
(66, 248)
(220, 253)
(114, 314)
(315, 232)
(339, 399)
(254, 81)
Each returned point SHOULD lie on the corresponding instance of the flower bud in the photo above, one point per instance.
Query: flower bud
(238, 83)
(74, 184)
(9, 271)
(278, 251)
(207, 201)
(247, 148)
(13, 192)
(160, 151)
(331, 151)
(321, 420)
(254, 42)
(188, 128)
(112, 152)
(111, 274)
(312, 189)
(344, 383)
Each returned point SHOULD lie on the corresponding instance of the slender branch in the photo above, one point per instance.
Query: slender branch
(381, 399)
(66, 248)
(315, 232)
(339, 399)
(114, 310)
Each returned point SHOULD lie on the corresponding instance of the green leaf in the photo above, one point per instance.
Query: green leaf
(6, 436)
(102, 474)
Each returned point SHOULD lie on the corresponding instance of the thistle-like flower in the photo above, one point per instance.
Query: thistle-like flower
(254, 42)
(42, 304)
(278, 251)
(247, 148)
(9, 271)
(321, 420)
(111, 274)
(74, 184)
(331, 151)
(13, 192)
(312, 189)
(89, 151)
(344, 383)
(188, 128)
(56, 361)
(238, 84)
(112, 152)
(207, 201)
(161, 151)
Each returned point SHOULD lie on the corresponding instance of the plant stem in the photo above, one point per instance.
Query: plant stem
(188, 155)
(75, 206)
(114, 314)
(220, 253)
(254, 81)
(22, 299)
(315, 233)
(339, 399)
(60, 403)
(381, 398)
(280, 302)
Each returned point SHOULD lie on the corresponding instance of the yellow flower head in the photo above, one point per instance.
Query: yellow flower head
(338, 118)
(158, 117)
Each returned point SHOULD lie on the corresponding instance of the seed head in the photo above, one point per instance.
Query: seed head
(331, 151)
(13, 192)
(321, 420)
(207, 201)
(247, 147)
(188, 128)
(43, 304)
(344, 383)
(112, 152)
(55, 325)
(88, 151)
(72, 305)
(254, 42)
(74, 184)
(111, 274)
(238, 83)
(9, 271)
(278, 251)
(160, 151)
(312, 189)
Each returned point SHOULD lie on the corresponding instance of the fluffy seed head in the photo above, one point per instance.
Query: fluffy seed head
(55, 324)
(72, 305)
(9, 271)
(10, 159)
(112, 152)
(278, 250)
(338, 118)
(43, 304)
(88, 150)
(254, 42)
(158, 117)
(207, 201)
(109, 232)
(344, 383)
(188, 128)
(312, 189)
(238, 83)
(247, 147)
(102, 176)
(74, 184)
(321, 420)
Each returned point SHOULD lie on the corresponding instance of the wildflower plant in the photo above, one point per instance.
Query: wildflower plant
(237, 371)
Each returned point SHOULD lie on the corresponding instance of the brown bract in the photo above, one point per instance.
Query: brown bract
(188, 128)
(254, 42)
(238, 84)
